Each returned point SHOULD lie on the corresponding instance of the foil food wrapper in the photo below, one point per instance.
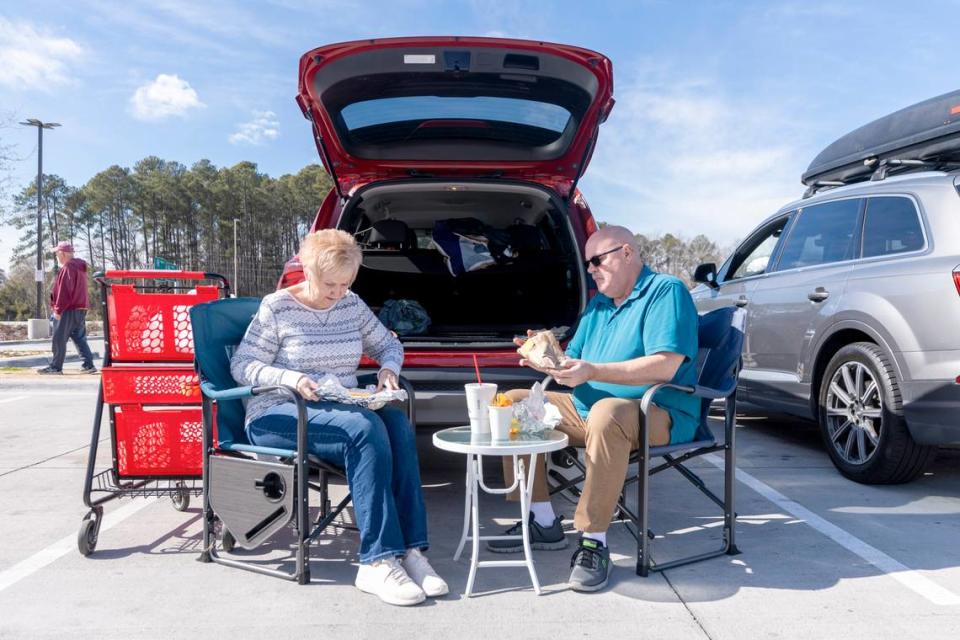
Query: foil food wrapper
(330, 390)
(534, 413)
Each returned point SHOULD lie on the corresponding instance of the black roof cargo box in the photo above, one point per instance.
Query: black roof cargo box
(926, 131)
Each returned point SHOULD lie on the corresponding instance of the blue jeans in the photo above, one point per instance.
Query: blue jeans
(379, 452)
(72, 325)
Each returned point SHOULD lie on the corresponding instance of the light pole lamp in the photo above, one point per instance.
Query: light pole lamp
(33, 122)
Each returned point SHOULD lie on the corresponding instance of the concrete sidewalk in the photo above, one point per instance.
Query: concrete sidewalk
(37, 353)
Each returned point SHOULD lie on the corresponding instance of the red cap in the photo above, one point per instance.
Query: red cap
(64, 246)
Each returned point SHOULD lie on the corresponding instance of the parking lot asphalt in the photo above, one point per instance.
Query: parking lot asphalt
(821, 556)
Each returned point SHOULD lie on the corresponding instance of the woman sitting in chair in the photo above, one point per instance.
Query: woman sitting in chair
(320, 327)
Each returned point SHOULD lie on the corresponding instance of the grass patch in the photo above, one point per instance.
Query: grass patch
(14, 369)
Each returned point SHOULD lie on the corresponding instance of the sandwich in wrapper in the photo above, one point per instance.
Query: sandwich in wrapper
(543, 351)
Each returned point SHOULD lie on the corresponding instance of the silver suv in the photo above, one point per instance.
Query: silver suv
(853, 298)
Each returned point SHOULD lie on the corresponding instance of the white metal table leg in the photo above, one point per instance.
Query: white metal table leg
(470, 488)
(475, 516)
(526, 492)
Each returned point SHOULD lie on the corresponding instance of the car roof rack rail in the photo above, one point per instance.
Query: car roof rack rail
(821, 184)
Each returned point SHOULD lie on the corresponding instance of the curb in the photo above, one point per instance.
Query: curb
(39, 361)
(16, 343)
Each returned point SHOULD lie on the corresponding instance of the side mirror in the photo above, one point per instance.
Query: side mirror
(707, 274)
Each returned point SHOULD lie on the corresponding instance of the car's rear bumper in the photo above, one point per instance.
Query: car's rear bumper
(932, 410)
(440, 399)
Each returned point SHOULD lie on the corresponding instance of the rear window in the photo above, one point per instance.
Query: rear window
(891, 225)
(822, 233)
(428, 109)
(442, 116)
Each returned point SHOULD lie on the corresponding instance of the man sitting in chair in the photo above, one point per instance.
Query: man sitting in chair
(639, 330)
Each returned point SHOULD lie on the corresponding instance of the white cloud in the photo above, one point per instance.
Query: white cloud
(32, 58)
(262, 128)
(679, 156)
(166, 96)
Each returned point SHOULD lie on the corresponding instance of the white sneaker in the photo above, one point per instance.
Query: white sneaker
(420, 571)
(387, 580)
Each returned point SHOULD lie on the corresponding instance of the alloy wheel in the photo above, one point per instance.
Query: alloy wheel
(854, 412)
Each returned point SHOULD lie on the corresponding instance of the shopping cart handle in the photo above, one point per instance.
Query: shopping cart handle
(234, 393)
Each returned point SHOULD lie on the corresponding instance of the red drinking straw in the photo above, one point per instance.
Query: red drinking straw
(477, 367)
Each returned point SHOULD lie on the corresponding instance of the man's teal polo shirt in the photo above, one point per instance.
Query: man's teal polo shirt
(658, 316)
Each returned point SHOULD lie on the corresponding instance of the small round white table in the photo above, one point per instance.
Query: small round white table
(460, 440)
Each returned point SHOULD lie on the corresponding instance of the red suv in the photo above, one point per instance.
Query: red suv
(435, 143)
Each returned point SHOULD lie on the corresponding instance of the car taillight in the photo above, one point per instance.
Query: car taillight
(956, 278)
(590, 225)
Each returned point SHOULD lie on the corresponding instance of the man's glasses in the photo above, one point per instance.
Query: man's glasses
(597, 260)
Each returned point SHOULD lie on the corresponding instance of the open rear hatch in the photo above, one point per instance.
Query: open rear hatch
(455, 107)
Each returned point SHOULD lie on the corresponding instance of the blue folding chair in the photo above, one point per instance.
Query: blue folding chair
(720, 336)
(238, 486)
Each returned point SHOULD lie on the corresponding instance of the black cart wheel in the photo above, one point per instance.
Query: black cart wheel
(87, 536)
(181, 499)
(228, 542)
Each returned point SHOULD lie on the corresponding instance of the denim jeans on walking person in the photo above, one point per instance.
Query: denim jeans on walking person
(72, 325)
(379, 452)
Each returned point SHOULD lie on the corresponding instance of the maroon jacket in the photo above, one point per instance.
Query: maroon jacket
(70, 289)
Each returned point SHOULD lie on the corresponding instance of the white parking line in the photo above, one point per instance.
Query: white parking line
(58, 549)
(899, 572)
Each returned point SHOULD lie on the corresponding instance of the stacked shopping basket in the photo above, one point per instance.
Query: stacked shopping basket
(150, 390)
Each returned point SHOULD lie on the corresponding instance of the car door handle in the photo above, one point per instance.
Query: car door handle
(818, 295)
(742, 301)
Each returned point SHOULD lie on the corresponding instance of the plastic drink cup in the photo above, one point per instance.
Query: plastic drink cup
(500, 418)
(479, 396)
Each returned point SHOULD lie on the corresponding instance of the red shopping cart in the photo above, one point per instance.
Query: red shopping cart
(150, 390)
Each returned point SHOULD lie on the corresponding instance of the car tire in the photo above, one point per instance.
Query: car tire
(865, 433)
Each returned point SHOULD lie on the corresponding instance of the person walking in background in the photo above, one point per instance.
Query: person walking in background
(68, 301)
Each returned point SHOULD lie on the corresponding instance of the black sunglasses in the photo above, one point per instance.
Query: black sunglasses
(597, 260)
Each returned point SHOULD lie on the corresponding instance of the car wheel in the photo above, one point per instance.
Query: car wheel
(861, 418)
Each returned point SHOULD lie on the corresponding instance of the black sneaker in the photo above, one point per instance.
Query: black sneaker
(548, 538)
(49, 371)
(591, 566)
(90, 369)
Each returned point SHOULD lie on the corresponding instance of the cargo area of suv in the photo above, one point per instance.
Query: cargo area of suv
(532, 279)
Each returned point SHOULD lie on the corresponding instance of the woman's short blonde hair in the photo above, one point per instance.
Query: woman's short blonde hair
(330, 251)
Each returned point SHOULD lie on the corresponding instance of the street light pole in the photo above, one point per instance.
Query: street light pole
(236, 286)
(38, 276)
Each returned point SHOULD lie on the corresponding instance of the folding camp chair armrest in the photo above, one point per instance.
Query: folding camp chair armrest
(652, 391)
(715, 394)
(233, 393)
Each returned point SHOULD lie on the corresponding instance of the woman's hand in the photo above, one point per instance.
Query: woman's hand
(573, 372)
(387, 379)
(307, 388)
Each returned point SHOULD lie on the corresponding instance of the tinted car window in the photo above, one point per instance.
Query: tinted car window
(891, 225)
(756, 256)
(823, 233)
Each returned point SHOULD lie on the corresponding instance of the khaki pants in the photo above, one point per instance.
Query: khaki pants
(610, 432)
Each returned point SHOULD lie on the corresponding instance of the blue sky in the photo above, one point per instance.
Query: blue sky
(720, 105)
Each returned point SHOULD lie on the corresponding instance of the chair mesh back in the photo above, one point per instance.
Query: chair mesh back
(218, 327)
(720, 339)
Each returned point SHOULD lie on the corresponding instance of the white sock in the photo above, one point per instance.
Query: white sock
(599, 537)
(543, 513)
